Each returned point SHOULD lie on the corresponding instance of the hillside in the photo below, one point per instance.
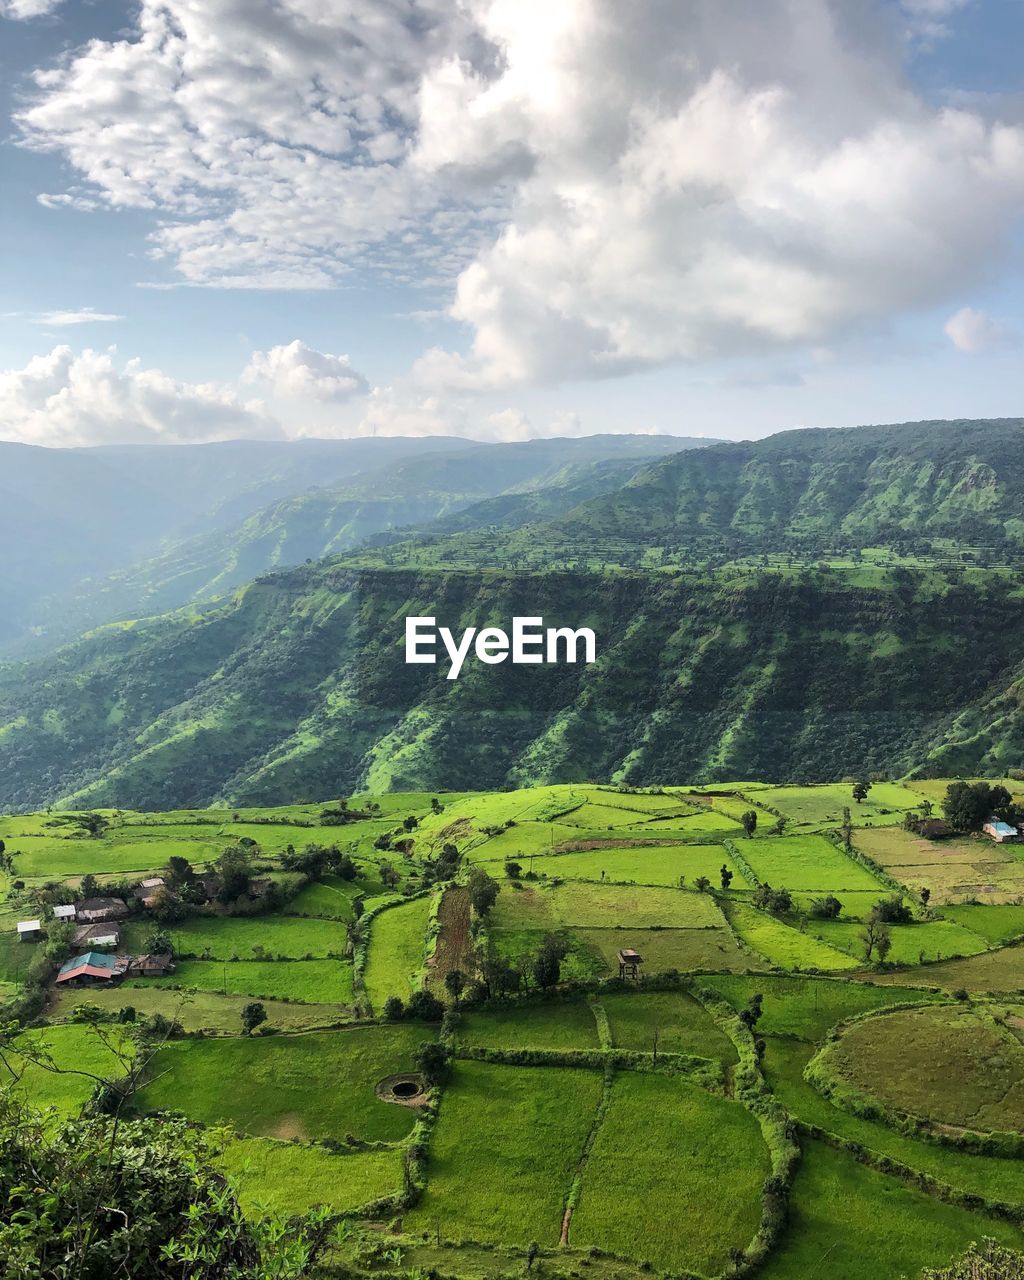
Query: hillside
(297, 687)
(401, 484)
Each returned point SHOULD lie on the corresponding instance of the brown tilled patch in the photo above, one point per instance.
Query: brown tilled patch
(289, 1126)
(454, 943)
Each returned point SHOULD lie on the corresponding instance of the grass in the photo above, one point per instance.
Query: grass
(988, 1176)
(396, 951)
(561, 1024)
(312, 1085)
(664, 949)
(200, 1010)
(674, 1176)
(285, 1179)
(60, 856)
(823, 805)
(681, 1023)
(778, 943)
(315, 981)
(647, 864)
(808, 863)
(950, 1064)
(806, 1008)
(961, 870)
(503, 1152)
(996, 924)
(911, 944)
(604, 906)
(1001, 970)
(235, 937)
(70, 1049)
(331, 897)
(848, 1222)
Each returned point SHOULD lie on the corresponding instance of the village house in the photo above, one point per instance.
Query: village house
(153, 966)
(90, 936)
(30, 930)
(87, 970)
(93, 910)
(64, 911)
(149, 890)
(1000, 832)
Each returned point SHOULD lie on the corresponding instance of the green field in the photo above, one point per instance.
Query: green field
(314, 981)
(397, 951)
(79, 1055)
(646, 864)
(911, 944)
(561, 1024)
(822, 805)
(666, 1153)
(206, 1011)
(510, 1189)
(244, 937)
(314, 1085)
(679, 1023)
(786, 947)
(809, 863)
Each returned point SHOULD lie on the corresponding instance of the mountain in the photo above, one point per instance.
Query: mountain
(935, 488)
(70, 514)
(901, 657)
(536, 478)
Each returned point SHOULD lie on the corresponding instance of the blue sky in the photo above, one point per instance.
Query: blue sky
(503, 220)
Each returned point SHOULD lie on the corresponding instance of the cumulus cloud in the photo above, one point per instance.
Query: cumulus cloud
(711, 180)
(973, 331)
(67, 399)
(297, 372)
(22, 10)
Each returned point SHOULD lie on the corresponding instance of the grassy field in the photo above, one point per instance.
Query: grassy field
(510, 1188)
(604, 906)
(243, 937)
(642, 864)
(682, 1024)
(783, 946)
(668, 1153)
(809, 863)
(950, 1064)
(822, 805)
(664, 949)
(70, 1050)
(324, 982)
(911, 944)
(313, 1085)
(283, 1179)
(996, 924)
(562, 1024)
(960, 870)
(999, 971)
(201, 1010)
(851, 1223)
(396, 953)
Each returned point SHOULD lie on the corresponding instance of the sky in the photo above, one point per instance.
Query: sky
(505, 218)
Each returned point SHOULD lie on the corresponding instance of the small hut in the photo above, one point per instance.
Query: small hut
(629, 963)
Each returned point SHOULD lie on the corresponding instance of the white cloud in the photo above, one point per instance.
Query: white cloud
(700, 181)
(65, 319)
(973, 331)
(21, 10)
(297, 372)
(67, 399)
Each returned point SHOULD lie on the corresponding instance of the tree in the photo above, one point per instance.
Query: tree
(394, 1009)
(826, 908)
(88, 886)
(749, 821)
(869, 935)
(547, 967)
(410, 823)
(483, 891)
(234, 869)
(158, 942)
(431, 1060)
(425, 1007)
(455, 983)
(926, 896)
(702, 884)
(892, 910)
(883, 943)
(847, 827)
(860, 791)
(987, 1261)
(253, 1015)
(751, 1014)
(967, 806)
(140, 1198)
(777, 901)
(726, 875)
(513, 870)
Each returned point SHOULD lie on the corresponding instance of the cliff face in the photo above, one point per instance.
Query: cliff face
(297, 688)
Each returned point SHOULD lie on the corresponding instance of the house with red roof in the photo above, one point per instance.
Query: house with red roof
(88, 969)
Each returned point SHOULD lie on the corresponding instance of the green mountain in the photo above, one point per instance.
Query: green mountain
(900, 657)
(537, 478)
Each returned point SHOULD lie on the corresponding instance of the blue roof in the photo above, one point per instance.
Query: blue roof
(1002, 828)
(94, 958)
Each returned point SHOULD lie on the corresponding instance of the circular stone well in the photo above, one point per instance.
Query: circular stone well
(407, 1090)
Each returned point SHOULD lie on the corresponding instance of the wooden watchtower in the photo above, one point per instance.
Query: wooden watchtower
(629, 963)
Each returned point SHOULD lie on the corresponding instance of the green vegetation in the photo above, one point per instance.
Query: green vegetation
(315, 981)
(669, 1021)
(559, 1025)
(396, 951)
(782, 945)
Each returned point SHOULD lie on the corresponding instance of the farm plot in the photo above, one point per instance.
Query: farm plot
(988, 1176)
(603, 906)
(238, 937)
(995, 971)
(806, 1008)
(822, 805)
(314, 981)
(454, 948)
(319, 1084)
(945, 1063)
(677, 1022)
(996, 924)
(644, 864)
(285, 1179)
(503, 1152)
(206, 1011)
(123, 851)
(780, 945)
(663, 949)
(807, 863)
(331, 897)
(15, 957)
(560, 1024)
(396, 951)
(911, 944)
(70, 1049)
(668, 1153)
(954, 871)
(865, 1225)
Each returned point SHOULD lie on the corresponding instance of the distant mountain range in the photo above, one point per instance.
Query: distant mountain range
(811, 606)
